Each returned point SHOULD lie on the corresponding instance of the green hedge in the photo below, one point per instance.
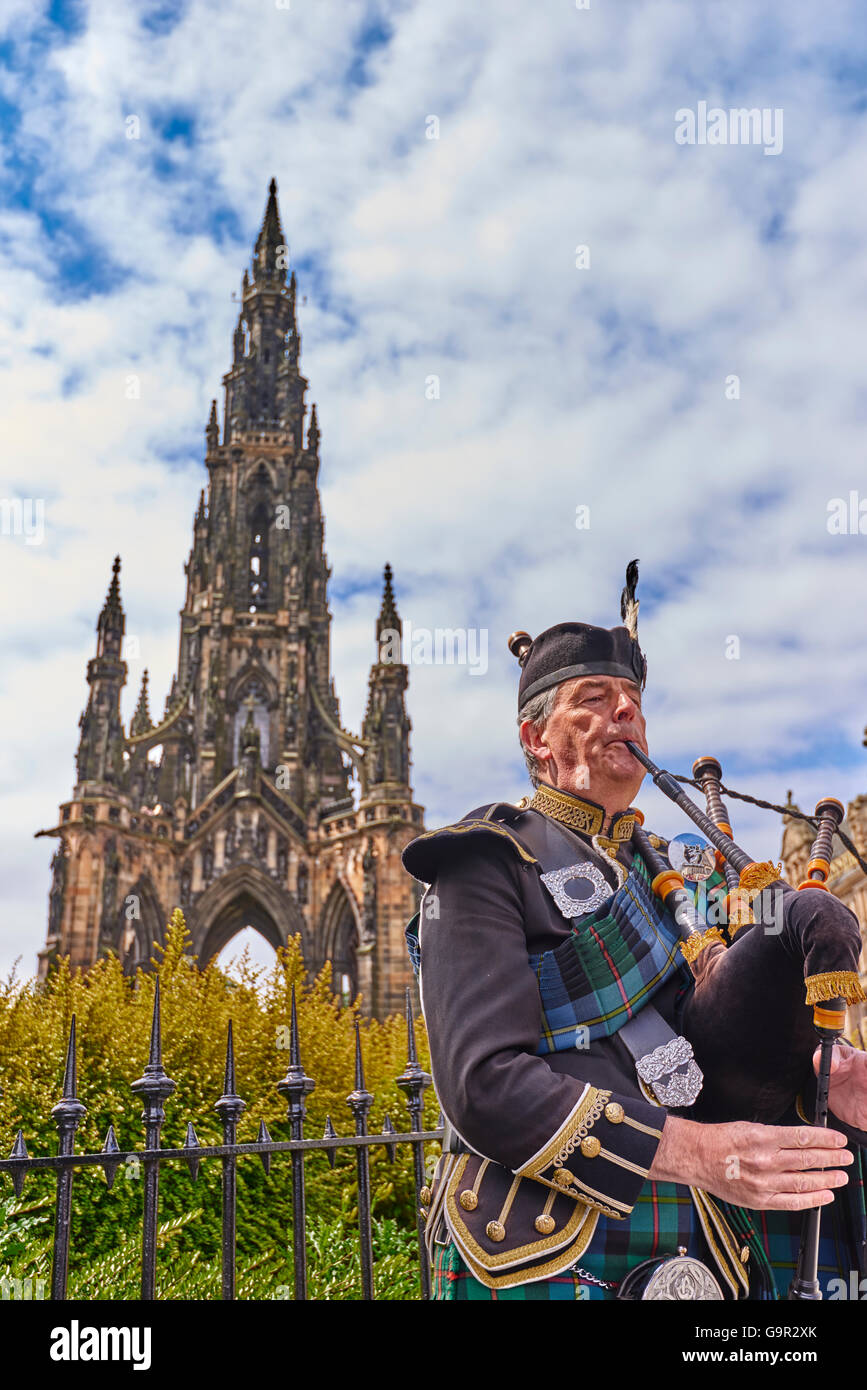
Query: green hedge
(113, 1016)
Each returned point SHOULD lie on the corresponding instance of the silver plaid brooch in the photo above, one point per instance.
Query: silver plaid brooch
(672, 1073)
(578, 889)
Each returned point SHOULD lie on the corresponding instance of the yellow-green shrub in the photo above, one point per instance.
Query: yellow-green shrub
(113, 1016)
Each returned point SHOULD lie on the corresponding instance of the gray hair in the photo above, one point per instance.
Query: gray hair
(538, 710)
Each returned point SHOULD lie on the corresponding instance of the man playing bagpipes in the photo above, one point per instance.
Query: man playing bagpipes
(624, 1052)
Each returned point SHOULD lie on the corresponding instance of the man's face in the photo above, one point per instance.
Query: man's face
(582, 746)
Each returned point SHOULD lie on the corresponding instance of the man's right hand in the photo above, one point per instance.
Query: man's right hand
(765, 1167)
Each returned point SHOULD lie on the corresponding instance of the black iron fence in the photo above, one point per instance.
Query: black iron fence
(154, 1085)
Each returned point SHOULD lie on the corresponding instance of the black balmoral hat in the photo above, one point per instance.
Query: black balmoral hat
(568, 650)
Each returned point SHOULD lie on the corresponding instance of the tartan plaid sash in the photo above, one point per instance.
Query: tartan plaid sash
(609, 967)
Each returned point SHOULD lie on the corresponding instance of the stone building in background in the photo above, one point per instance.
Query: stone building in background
(846, 880)
(238, 805)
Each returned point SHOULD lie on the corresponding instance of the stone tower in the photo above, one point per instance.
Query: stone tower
(239, 804)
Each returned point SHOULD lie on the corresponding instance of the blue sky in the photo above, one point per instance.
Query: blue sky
(455, 257)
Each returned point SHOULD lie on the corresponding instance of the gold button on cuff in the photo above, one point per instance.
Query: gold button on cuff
(495, 1231)
(468, 1199)
(424, 1196)
(590, 1146)
(614, 1113)
(544, 1225)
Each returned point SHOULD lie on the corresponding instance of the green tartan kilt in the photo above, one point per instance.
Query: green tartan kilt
(662, 1219)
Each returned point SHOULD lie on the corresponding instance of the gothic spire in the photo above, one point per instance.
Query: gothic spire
(111, 622)
(267, 259)
(112, 598)
(386, 726)
(388, 620)
(141, 720)
(313, 433)
(264, 388)
(212, 430)
(100, 749)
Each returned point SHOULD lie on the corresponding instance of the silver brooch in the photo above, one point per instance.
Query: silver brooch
(578, 889)
(672, 1073)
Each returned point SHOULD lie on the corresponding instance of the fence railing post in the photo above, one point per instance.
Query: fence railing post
(66, 1114)
(359, 1102)
(413, 1083)
(296, 1086)
(154, 1085)
(229, 1108)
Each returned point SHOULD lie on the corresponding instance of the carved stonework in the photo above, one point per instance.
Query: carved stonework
(243, 786)
(368, 917)
(58, 888)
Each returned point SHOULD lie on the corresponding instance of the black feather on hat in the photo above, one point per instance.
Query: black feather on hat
(569, 650)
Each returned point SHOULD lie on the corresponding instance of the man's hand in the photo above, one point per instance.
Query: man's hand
(767, 1167)
(847, 1096)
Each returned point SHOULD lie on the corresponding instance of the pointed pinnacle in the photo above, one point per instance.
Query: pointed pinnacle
(330, 1133)
(388, 615)
(112, 598)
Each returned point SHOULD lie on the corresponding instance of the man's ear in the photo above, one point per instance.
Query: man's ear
(534, 739)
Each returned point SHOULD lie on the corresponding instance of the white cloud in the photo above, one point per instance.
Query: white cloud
(455, 257)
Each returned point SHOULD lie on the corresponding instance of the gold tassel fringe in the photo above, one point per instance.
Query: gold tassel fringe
(755, 877)
(836, 984)
(697, 942)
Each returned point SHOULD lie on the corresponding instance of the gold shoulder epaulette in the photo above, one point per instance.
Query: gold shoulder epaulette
(422, 855)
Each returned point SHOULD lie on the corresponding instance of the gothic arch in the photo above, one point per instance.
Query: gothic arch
(339, 935)
(136, 935)
(252, 475)
(248, 675)
(245, 897)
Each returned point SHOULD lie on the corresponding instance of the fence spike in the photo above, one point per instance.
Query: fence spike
(360, 1100)
(192, 1159)
(296, 1084)
(69, 1110)
(411, 1053)
(110, 1166)
(19, 1150)
(156, 1052)
(263, 1137)
(388, 1128)
(294, 1053)
(70, 1074)
(330, 1133)
(414, 1079)
(229, 1081)
(230, 1105)
(359, 1065)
